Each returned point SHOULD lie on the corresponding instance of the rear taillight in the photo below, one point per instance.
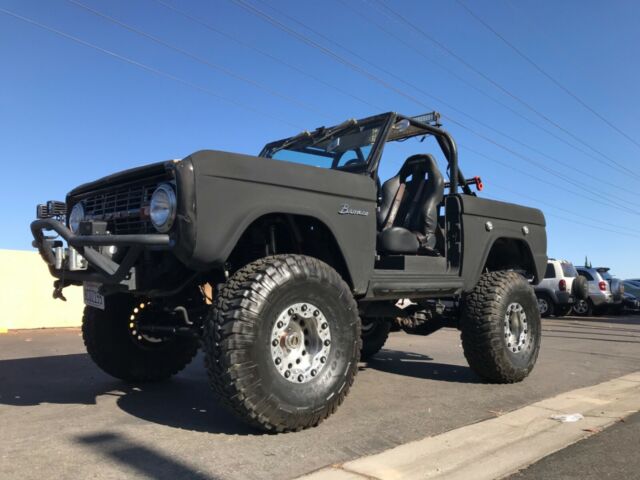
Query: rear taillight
(602, 285)
(562, 285)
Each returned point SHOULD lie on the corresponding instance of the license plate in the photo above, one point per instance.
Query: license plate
(92, 296)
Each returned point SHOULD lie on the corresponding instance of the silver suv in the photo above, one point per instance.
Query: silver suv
(605, 292)
(560, 288)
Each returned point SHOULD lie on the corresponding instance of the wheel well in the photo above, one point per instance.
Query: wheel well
(278, 233)
(510, 254)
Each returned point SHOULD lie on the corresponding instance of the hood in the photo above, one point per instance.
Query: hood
(247, 168)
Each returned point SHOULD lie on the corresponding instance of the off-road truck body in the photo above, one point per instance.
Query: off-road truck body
(288, 266)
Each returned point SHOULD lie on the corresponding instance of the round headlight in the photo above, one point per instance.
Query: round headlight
(75, 217)
(162, 209)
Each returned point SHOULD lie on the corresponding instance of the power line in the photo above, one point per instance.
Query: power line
(545, 73)
(499, 86)
(534, 162)
(147, 68)
(203, 61)
(599, 200)
(252, 9)
(625, 229)
(510, 137)
(142, 66)
(460, 78)
(266, 54)
(600, 229)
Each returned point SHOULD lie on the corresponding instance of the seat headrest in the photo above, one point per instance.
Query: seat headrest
(418, 165)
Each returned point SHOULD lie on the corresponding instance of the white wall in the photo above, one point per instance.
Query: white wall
(25, 294)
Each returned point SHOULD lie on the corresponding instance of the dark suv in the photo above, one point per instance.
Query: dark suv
(287, 266)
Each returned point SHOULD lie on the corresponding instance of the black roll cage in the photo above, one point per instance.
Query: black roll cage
(445, 141)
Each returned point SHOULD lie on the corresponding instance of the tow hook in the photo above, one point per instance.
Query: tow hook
(57, 291)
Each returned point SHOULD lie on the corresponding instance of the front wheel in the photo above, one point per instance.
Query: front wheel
(117, 348)
(500, 327)
(282, 342)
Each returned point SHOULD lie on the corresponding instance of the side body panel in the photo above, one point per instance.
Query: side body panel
(232, 191)
(506, 221)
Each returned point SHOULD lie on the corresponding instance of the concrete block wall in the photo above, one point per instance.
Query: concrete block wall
(25, 294)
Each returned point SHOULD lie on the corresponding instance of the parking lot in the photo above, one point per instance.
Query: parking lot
(63, 418)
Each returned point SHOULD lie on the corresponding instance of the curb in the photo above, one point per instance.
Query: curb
(499, 446)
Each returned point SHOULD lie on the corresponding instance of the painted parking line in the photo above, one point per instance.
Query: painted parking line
(499, 446)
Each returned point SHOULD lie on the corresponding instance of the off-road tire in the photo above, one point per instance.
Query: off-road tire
(482, 326)
(550, 305)
(116, 351)
(237, 346)
(374, 335)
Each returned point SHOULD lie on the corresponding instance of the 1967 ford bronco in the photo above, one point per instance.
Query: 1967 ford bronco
(289, 267)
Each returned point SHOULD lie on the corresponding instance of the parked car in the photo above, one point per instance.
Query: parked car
(632, 287)
(631, 292)
(630, 303)
(560, 288)
(605, 292)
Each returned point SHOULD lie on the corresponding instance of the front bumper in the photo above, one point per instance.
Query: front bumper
(101, 268)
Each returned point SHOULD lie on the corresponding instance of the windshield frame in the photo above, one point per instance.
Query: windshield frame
(325, 133)
(387, 120)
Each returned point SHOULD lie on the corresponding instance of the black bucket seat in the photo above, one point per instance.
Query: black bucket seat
(408, 212)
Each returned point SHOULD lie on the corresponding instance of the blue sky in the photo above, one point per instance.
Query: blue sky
(69, 113)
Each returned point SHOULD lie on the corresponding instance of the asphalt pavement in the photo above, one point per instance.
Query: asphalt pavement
(612, 453)
(61, 417)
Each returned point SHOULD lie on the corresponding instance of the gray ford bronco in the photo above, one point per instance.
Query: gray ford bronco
(290, 267)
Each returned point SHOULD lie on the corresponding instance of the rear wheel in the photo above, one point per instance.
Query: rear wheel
(374, 335)
(501, 328)
(583, 308)
(117, 348)
(282, 342)
(545, 305)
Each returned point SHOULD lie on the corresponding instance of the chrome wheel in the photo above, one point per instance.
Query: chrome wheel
(300, 342)
(581, 307)
(543, 305)
(516, 331)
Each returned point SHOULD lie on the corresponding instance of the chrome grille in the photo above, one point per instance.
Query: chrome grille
(122, 207)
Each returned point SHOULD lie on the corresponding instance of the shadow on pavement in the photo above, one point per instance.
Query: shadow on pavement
(420, 366)
(148, 461)
(184, 402)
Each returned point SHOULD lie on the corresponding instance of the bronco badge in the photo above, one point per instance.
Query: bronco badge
(345, 209)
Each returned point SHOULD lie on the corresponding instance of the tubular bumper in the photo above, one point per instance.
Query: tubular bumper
(104, 269)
